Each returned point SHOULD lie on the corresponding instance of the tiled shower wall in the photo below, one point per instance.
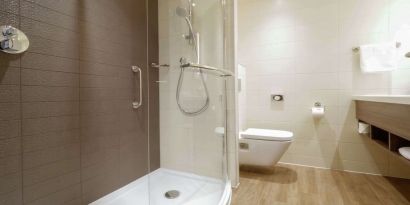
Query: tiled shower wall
(303, 50)
(68, 133)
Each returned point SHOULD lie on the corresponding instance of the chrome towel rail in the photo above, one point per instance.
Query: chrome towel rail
(223, 72)
(185, 64)
(357, 49)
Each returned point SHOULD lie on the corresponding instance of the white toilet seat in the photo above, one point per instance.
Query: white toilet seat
(265, 134)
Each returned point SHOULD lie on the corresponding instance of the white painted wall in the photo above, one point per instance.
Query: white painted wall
(303, 48)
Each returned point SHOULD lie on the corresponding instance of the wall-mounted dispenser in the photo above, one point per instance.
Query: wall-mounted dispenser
(12, 40)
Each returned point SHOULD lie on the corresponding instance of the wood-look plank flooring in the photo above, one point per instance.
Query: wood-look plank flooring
(290, 184)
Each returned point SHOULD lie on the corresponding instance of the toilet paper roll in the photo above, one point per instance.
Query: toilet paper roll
(363, 128)
(318, 112)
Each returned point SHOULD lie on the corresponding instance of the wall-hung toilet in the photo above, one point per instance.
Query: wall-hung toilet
(263, 147)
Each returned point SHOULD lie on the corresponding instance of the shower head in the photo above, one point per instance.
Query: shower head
(185, 14)
(182, 12)
(191, 37)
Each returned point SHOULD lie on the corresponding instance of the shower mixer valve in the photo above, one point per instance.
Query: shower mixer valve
(9, 31)
(12, 40)
(7, 37)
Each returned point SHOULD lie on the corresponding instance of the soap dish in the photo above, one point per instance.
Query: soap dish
(405, 152)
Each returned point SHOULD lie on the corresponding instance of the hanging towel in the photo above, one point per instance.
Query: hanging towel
(378, 57)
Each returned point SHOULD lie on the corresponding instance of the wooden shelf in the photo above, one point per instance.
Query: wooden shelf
(396, 142)
(379, 136)
(381, 143)
(394, 118)
(389, 141)
(389, 125)
(398, 155)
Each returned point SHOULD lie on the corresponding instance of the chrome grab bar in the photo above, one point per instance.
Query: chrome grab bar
(223, 72)
(138, 104)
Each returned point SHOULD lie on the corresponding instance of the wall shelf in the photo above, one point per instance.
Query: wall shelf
(380, 136)
(388, 141)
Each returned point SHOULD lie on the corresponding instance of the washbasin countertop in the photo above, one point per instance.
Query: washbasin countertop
(396, 99)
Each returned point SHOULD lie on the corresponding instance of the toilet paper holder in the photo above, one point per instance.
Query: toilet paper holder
(318, 105)
(318, 110)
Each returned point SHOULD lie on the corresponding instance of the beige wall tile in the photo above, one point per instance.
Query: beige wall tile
(303, 50)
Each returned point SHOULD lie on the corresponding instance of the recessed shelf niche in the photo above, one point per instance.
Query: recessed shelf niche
(388, 140)
(380, 136)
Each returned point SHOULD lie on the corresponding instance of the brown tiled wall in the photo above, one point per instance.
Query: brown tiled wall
(68, 134)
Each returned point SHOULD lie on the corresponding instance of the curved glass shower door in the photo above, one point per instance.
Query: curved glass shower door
(192, 167)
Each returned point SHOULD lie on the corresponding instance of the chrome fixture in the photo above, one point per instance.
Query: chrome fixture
(12, 40)
(194, 38)
(184, 64)
(188, 15)
(318, 104)
(137, 104)
(357, 49)
(156, 65)
(172, 194)
(222, 72)
(276, 97)
(182, 12)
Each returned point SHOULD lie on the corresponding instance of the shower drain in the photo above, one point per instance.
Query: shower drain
(172, 194)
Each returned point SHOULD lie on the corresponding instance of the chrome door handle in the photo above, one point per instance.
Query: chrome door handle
(156, 65)
(137, 104)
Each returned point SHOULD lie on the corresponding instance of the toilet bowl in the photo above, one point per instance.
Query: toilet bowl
(263, 147)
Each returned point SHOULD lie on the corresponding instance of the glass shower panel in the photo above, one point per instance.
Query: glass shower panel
(192, 104)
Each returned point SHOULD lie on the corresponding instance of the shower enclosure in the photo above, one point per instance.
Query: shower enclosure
(192, 104)
(114, 102)
(188, 82)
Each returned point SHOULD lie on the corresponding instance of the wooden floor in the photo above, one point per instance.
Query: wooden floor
(289, 184)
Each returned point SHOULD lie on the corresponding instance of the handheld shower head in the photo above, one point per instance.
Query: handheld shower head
(185, 14)
(182, 12)
(193, 39)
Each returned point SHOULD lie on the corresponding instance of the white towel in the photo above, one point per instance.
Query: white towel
(378, 57)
